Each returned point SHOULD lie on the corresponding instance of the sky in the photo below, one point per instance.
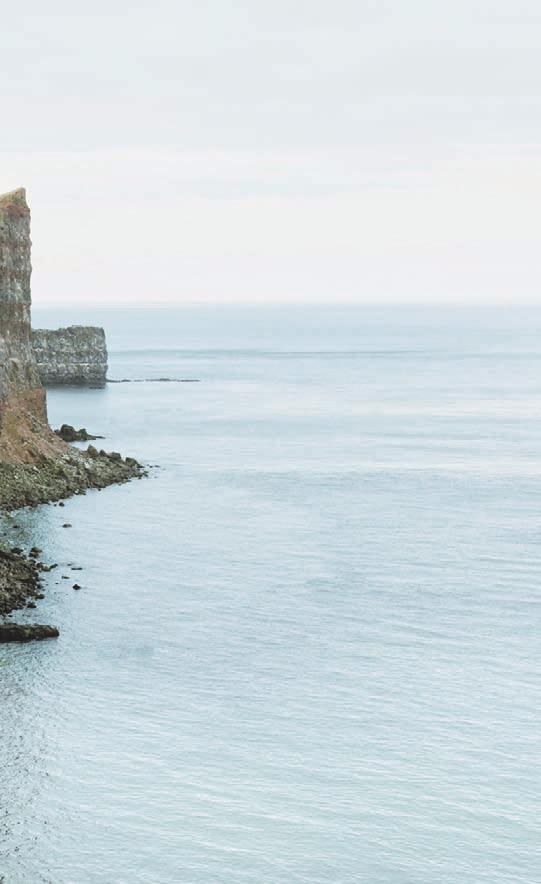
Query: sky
(263, 152)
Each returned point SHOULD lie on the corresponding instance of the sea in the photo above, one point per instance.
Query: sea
(306, 648)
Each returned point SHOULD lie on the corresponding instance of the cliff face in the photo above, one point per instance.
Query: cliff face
(74, 355)
(23, 415)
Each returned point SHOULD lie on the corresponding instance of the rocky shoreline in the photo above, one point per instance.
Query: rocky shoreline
(22, 485)
(73, 472)
(20, 580)
(21, 587)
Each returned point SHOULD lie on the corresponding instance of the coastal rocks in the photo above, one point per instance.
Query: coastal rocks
(20, 587)
(76, 355)
(19, 580)
(70, 434)
(26, 632)
(52, 479)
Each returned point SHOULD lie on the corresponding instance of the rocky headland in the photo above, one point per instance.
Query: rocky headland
(36, 464)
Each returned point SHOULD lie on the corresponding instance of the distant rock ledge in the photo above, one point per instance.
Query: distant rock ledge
(75, 356)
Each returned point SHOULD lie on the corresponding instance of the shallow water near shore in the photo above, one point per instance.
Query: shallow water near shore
(306, 647)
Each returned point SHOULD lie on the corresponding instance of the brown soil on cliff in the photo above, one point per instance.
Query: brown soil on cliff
(25, 437)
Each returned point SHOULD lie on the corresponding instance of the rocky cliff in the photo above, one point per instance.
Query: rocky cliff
(73, 355)
(23, 416)
(36, 465)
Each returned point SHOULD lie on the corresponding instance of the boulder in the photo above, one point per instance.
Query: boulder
(26, 632)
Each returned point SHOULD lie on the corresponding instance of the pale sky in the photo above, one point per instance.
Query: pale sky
(276, 150)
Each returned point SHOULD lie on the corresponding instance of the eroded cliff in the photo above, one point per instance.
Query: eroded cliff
(24, 433)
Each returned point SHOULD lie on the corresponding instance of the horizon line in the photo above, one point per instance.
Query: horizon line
(168, 305)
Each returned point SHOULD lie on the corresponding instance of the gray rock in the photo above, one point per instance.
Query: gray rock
(76, 355)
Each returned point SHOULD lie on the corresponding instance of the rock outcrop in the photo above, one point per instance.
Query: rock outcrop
(26, 632)
(76, 355)
(70, 434)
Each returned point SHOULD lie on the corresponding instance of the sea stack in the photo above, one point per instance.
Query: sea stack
(76, 355)
(23, 412)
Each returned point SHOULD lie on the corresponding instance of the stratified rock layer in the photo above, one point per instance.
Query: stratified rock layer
(76, 355)
(23, 415)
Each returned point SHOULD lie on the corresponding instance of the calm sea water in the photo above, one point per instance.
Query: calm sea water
(307, 646)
